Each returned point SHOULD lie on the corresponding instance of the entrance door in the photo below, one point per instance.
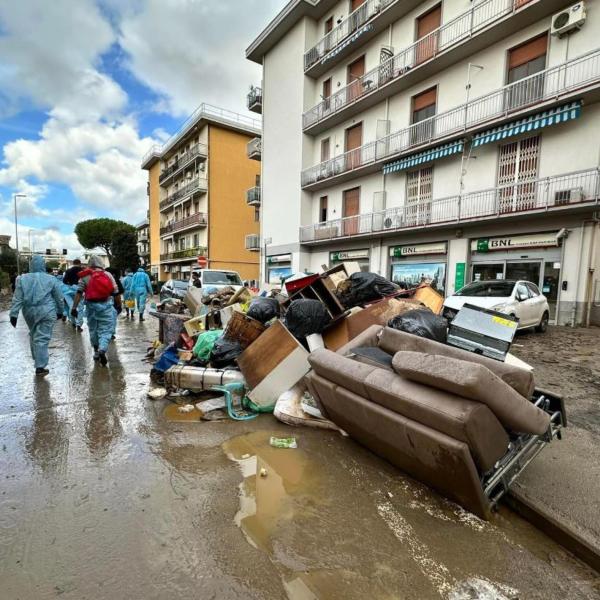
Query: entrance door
(550, 285)
(353, 78)
(527, 271)
(350, 210)
(487, 271)
(428, 41)
(518, 165)
(419, 185)
(353, 146)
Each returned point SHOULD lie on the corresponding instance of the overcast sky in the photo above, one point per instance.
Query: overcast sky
(87, 86)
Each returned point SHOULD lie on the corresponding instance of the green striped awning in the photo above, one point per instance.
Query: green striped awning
(556, 115)
(423, 157)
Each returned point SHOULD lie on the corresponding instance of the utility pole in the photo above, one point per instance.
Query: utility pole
(15, 196)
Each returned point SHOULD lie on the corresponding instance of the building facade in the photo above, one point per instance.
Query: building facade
(436, 141)
(143, 241)
(198, 183)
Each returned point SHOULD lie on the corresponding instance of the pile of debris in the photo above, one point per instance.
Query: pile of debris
(350, 350)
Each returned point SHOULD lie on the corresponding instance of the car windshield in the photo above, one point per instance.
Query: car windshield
(221, 278)
(182, 285)
(495, 289)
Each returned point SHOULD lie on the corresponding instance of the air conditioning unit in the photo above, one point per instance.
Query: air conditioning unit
(392, 222)
(568, 20)
(569, 196)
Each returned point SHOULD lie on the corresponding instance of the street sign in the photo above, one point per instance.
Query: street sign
(202, 262)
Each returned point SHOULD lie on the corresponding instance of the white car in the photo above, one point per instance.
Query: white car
(217, 278)
(521, 299)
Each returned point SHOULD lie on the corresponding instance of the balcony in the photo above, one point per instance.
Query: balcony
(443, 47)
(196, 220)
(253, 196)
(254, 100)
(545, 88)
(195, 185)
(187, 254)
(571, 191)
(142, 237)
(196, 151)
(253, 242)
(254, 149)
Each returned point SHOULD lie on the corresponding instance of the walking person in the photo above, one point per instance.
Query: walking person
(38, 296)
(128, 294)
(116, 313)
(69, 289)
(141, 287)
(101, 294)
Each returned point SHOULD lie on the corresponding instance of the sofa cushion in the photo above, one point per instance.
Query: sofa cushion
(462, 419)
(474, 381)
(393, 341)
(348, 373)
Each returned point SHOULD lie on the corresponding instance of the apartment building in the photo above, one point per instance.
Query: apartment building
(435, 141)
(143, 241)
(199, 182)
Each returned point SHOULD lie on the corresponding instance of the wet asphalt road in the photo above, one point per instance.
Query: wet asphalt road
(102, 497)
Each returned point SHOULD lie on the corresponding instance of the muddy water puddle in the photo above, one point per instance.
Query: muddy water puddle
(173, 413)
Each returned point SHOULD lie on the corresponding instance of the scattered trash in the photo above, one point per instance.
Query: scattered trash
(211, 404)
(305, 317)
(264, 309)
(263, 472)
(362, 287)
(224, 352)
(423, 323)
(309, 406)
(157, 393)
(186, 408)
(283, 442)
(205, 342)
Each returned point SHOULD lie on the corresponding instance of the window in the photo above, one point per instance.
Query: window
(423, 108)
(517, 171)
(323, 209)
(195, 240)
(221, 277)
(522, 292)
(419, 186)
(328, 25)
(354, 73)
(257, 214)
(324, 149)
(483, 289)
(350, 211)
(353, 146)
(257, 181)
(427, 36)
(533, 289)
(326, 93)
(524, 62)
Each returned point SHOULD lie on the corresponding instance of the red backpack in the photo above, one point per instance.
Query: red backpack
(100, 287)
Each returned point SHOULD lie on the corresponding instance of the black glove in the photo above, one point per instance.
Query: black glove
(13, 321)
(74, 313)
(59, 317)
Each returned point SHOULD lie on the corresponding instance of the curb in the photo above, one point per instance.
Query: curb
(559, 532)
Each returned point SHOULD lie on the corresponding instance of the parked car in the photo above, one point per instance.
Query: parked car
(521, 299)
(173, 288)
(216, 278)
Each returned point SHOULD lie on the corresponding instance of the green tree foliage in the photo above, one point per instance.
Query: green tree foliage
(8, 261)
(99, 233)
(124, 250)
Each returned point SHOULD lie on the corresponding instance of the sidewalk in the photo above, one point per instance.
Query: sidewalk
(561, 488)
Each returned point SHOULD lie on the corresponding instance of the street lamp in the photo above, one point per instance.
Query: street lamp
(15, 196)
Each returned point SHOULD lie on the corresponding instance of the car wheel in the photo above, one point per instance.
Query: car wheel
(541, 328)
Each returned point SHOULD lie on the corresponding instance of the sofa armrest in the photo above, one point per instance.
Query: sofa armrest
(368, 338)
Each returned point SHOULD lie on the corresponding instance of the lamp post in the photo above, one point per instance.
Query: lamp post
(15, 196)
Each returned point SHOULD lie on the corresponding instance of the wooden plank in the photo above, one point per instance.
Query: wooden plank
(430, 298)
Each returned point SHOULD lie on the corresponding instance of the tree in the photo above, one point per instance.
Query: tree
(124, 250)
(98, 233)
(8, 261)
(52, 264)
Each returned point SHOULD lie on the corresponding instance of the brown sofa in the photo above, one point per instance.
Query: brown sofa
(429, 411)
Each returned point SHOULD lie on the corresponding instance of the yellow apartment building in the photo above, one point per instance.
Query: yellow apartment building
(204, 196)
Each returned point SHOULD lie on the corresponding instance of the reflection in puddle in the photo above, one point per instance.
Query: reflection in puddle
(172, 412)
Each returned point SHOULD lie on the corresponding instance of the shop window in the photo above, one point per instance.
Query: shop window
(427, 34)
(524, 62)
(423, 109)
(517, 171)
(323, 209)
(419, 190)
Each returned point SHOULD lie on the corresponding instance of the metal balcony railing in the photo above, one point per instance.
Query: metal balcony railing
(198, 184)
(460, 29)
(549, 84)
(254, 148)
(254, 100)
(253, 196)
(200, 219)
(253, 242)
(187, 253)
(351, 25)
(182, 161)
(538, 195)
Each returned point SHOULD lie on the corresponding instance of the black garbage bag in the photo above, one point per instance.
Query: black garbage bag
(363, 287)
(304, 317)
(264, 309)
(224, 353)
(421, 322)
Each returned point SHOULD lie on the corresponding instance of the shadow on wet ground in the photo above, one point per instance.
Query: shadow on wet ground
(103, 496)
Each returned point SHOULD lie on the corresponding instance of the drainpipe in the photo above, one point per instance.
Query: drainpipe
(563, 234)
(574, 311)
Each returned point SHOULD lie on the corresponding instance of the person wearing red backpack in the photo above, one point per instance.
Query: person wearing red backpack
(100, 291)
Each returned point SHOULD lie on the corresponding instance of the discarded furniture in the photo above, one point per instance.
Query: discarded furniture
(464, 424)
(170, 326)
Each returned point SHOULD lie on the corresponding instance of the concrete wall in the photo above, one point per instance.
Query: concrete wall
(154, 219)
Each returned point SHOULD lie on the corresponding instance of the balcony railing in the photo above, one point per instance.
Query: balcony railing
(199, 219)
(352, 24)
(182, 161)
(254, 100)
(183, 254)
(539, 195)
(198, 184)
(253, 242)
(549, 84)
(254, 148)
(462, 28)
(253, 196)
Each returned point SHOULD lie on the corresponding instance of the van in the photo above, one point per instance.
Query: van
(217, 278)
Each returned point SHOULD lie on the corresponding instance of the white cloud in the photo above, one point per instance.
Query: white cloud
(194, 51)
